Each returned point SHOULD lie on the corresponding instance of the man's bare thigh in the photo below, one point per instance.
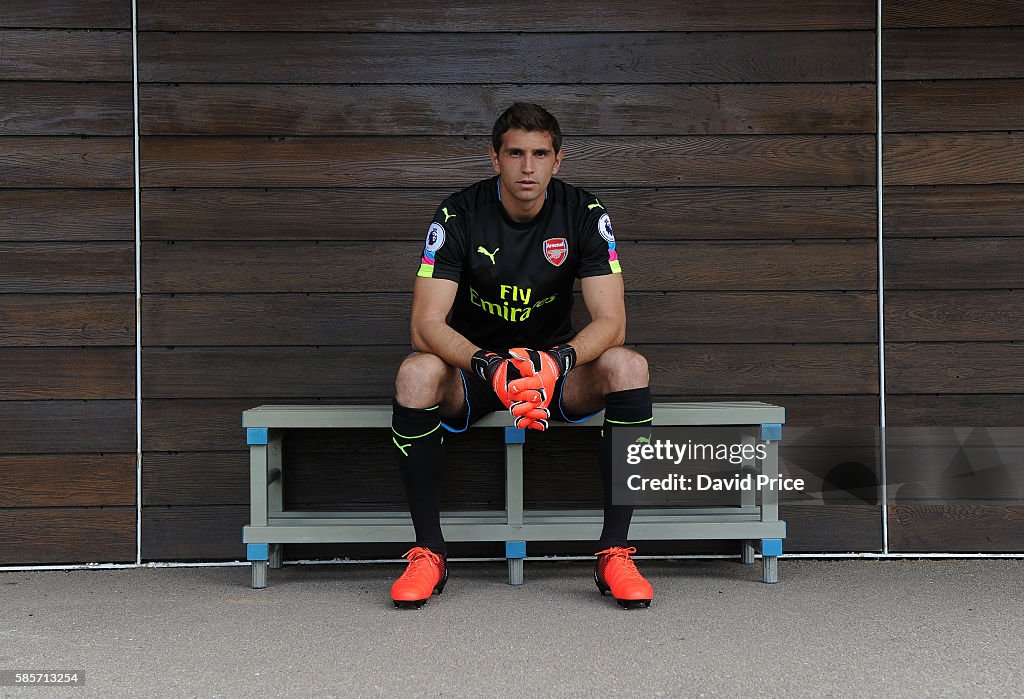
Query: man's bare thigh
(581, 391)
(423, 375)
(617, 369)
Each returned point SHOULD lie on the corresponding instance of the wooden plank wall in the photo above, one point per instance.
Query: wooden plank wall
(67, 283)
(292, 157)
(954, 219)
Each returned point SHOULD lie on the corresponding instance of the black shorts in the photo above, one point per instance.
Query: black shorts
(481, 401)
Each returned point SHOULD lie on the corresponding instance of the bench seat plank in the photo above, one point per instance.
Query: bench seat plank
(349, 416)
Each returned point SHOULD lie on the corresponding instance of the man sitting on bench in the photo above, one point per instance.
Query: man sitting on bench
(501, 256)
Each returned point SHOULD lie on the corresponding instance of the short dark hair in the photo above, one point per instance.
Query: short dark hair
(528, 117)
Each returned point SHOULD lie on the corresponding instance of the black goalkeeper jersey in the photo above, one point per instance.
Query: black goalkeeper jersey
(516, 279)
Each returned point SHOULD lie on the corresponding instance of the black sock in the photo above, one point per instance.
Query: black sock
(630, 407)
(417, 436)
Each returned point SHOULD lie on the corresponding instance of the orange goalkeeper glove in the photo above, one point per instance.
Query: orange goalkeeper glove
(499, 370)
(541, 371)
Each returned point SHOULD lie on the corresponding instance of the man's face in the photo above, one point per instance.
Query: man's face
(526, 163)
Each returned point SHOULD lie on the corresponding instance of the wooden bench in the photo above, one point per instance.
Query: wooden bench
(755, 524)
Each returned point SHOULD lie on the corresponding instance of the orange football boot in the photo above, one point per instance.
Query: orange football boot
(615, 571)
(426, 573)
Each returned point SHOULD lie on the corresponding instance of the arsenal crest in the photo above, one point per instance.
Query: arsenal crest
(556, 250)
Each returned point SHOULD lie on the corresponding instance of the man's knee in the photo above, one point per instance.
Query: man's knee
(623, 369)
(421, 379)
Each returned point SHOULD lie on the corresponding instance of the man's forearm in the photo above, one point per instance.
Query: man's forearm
(446, 343)
(451, 346)
(592, 341)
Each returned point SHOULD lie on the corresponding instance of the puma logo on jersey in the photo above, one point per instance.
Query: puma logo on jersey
(491, 255)
(590, 207)
(447, 215)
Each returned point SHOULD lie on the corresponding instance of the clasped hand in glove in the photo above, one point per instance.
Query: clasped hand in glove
(524, 380)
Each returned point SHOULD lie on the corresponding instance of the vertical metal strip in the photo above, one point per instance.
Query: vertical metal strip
(884, 476)
(138, 287)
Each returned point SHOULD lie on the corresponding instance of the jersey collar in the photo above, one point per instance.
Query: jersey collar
(524, 225)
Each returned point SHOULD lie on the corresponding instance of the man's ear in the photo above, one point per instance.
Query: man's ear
(558, 162)
(494, 159)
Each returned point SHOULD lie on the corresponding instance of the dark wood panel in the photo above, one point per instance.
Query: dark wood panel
(493, 15)
(993, 210)
(978, 438)
(276, 372)
(295, 266)
(981, 158)
(630, 57)
(372, 267)
(67, 373)
(67, 426)
(456, 110)
(810, 442)
(765, 369)
(326, 464)
(68, 14)
(454, 162)
(50, 320)
(62, 109)
(51, 54)
(959, 105)
(745, 317)
(97, 161)
(967, 526)
(954, 263)
(403, 214)
(66, 480)
(195, 478)
(679, 369)
(183, 425)
(277, 319)
(955, 473)
(832, 475)
(339, 319)
(322, 466)
(194, 533)
(55, 535)
(67, 267)
(839, 528)
(952, 13)
(835, 265)
(957, 410)
(955, 367)
(952, 54)
(67, 215)
(949, 316)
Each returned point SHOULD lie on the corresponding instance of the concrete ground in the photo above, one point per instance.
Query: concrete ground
(857, 628)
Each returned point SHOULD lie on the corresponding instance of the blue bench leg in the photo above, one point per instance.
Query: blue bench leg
(515, 553)
(771, 549)
(259, 555)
